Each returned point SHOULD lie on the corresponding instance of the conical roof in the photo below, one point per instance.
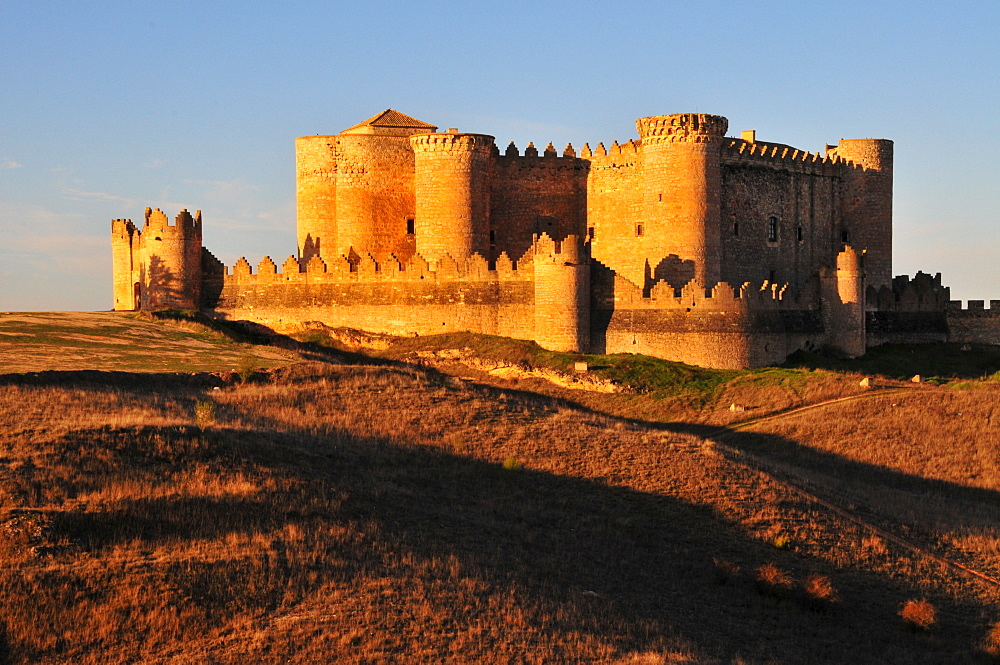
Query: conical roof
(390, 119)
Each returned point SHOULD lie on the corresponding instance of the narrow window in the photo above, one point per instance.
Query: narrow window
(493, 237)
(772, 276)
(845, 237)
(772, 229)
(798, 233)
(661, 197)
(736, 229)
(590, 232)
(410, 226)
(638, 229)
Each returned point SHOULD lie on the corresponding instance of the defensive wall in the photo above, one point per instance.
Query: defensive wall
(684, 244)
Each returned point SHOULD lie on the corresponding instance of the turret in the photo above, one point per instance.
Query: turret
(562, 294)
(452, 183)
(171, 261)
(682, 178)
(867, 210)
(842, 293)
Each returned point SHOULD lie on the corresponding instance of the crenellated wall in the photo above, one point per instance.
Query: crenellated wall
(628, 248)
(534, 194)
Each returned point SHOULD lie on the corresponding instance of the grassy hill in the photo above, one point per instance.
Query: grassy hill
(390, 510)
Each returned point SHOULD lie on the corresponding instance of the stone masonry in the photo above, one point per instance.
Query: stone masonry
(683, 243)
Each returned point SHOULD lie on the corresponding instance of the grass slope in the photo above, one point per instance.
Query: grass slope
(360, 513)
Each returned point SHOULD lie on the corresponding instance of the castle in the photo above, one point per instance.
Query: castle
(684, 244)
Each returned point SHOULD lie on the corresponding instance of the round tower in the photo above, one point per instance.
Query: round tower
(452, 184)
(682, 177)
(316, 194)
(562, 294)
(842, 293)
(171, 261)
(867, 205)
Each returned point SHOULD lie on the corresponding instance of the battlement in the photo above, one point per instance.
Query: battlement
(549, 159)
(921, 293)
(451, 142)
(363, 266)
(975, 306)
(183, 223)
(682, 128)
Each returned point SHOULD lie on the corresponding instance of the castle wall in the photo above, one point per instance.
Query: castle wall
(803, 202)
(722, 328)
(614, 207)
(388, 298)
(975, 324)
(534, 194)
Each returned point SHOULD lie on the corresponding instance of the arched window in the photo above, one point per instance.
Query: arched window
(772, 229)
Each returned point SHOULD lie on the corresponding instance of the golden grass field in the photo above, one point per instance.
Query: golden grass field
(349, 509)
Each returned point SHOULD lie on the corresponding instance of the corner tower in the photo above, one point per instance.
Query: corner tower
(681, 183)
(452, 184)
(867, 217)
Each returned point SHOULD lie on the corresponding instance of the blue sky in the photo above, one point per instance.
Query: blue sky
(107, 107)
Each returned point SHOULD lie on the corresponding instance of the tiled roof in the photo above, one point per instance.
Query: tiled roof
(392, 118)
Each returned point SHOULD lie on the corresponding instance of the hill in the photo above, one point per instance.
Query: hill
(377, 511)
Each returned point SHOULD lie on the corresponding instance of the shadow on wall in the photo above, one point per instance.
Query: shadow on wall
(161, 286)
(673, 270)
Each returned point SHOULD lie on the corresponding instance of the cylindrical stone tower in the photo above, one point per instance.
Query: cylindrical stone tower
(682, 178)
(452, 184)
(868, 204)
(171, 261)
(562, 295)
(316, 194)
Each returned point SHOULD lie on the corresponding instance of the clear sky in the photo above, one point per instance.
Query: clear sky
(109, 107)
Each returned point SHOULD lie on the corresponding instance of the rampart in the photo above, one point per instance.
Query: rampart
(649, 245)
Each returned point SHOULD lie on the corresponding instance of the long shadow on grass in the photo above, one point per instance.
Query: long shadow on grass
(631, 568)
(846, 474)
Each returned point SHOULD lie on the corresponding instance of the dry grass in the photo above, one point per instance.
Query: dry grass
(364, 514)
(918, 614)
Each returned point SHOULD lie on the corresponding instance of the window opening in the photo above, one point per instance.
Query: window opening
(845, 236)
(590, 232)
(736, 229)
(772, 229)
(410, 226)
(638, 229)
(798, 233)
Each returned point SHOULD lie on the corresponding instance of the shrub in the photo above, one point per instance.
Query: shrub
(820, 591)
(992, 642)
(204, 413)
(512, 463)
(918, 614)
(773, 581)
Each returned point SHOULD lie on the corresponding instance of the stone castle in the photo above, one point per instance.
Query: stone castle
(684, 244)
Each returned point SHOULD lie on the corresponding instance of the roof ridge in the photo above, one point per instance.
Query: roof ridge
(392, 118)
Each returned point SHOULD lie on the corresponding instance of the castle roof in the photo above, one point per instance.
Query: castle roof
(390, 119)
